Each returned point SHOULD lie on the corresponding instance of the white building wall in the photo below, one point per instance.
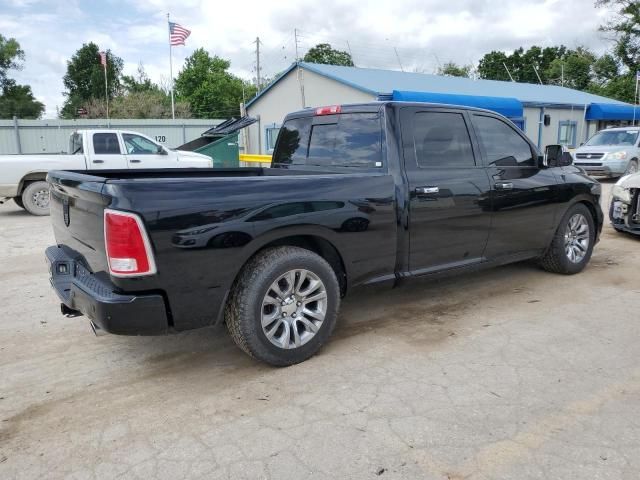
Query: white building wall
(549, 135)
(285, 97)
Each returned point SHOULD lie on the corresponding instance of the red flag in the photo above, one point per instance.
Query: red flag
(103, 59)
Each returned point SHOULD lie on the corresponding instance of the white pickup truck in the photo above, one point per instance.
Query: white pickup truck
(22, 177)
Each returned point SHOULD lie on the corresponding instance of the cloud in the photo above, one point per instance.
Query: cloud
(417, 34)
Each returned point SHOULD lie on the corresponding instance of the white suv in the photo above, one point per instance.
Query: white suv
(612, 152)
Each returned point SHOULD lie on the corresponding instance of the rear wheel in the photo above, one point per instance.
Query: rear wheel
(284, 305)
(35, 198)
(572, 244)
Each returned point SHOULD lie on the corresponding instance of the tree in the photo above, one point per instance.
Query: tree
(451, 69)
(209, 89)
(149, 104)
(138, 83)
(325, 54)
(522, 64)
(626, 27)
(84, 79)
(18, 100)
(11, 57)
(573, 70)
(15, 100)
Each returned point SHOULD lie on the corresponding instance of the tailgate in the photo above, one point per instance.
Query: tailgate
(77, 207)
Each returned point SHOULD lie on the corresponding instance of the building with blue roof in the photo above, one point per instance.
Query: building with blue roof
(549, 114)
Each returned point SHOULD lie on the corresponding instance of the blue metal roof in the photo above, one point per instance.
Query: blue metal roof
(607, 111)
(383, 82)
(509, 107)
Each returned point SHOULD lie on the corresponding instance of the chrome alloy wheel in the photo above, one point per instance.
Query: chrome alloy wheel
(576, 238)
(41, 198)
(294, 308)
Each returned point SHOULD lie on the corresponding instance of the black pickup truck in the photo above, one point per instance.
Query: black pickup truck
(357, 194)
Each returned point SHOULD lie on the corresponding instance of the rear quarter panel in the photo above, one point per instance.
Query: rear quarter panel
(204, 230)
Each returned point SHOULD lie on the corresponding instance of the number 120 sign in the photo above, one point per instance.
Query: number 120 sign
(161, 138)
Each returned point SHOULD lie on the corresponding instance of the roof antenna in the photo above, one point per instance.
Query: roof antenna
(508, 72)
(398, 57)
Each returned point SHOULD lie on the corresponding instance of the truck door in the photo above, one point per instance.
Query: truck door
(523, 195)
(143, 153)
(105, 152)
(449, 211)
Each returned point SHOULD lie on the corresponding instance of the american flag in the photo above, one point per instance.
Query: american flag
(103, 59)
(177, 34)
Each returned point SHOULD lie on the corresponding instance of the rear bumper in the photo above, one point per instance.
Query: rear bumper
(86, 293)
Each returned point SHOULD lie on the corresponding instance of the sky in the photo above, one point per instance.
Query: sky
(414, 35)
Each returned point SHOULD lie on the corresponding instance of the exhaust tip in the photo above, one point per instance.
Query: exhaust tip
(98, 332)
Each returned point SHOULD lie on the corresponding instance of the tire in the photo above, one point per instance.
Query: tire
(252, 303)
(18, 201)
(34, 199)
(632, 167)
(557, 258)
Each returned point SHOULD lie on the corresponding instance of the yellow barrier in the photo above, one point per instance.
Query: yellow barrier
(246, 157)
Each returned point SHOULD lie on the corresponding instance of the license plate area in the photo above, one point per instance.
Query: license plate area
(617, 211)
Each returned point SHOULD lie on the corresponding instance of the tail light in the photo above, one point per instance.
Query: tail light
(127, 245)
(333, 109)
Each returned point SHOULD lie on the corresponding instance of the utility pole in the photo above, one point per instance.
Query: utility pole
(258, 84)
(299, 72)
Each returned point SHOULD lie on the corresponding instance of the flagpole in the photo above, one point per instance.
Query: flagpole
(173, 108)
(635, 99)
(106, 89)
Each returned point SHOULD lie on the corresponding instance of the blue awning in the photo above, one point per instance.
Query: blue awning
(509, 107)
(611, 111)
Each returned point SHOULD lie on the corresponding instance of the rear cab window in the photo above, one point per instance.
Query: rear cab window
(106, 144)
(347, 141)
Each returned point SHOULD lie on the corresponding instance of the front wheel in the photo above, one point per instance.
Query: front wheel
(284, 305)
(35, 198)
(632, 167)
(572, 244)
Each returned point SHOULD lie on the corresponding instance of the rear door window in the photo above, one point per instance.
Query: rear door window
(106, 144)
(352, 140)
(442, 140)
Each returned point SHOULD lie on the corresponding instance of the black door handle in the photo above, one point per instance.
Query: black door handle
(98, 161)
(135, 161)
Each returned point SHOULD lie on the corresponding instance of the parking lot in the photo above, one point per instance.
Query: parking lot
(511, 373)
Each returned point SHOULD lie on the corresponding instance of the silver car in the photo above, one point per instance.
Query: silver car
(612, 152)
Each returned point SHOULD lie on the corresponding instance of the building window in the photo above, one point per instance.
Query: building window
(271, 135)
(567, 133)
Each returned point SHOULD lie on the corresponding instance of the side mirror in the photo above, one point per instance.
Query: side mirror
(161, 151)
(552, 154)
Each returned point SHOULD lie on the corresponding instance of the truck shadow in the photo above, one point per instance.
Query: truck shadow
(421, 312)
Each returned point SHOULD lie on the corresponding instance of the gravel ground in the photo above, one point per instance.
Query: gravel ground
(512, 373)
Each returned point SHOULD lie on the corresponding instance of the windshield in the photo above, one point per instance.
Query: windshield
(614, 137)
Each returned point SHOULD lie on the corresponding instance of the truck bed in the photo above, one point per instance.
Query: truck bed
(204, 224)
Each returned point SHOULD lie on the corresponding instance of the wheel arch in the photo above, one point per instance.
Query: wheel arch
(315, 243)
(31, 177)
